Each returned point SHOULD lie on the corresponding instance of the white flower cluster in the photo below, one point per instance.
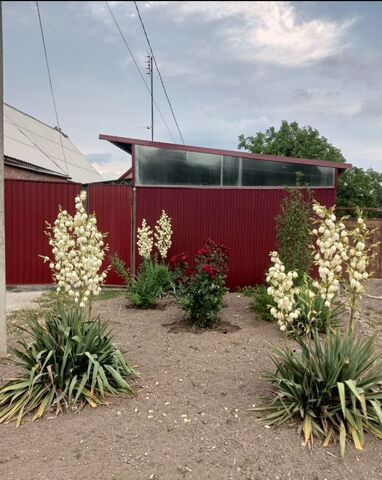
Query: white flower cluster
(163, 234)
(359, 259)
(282, 289)
(331, 252)
(145, 240)
(78, 250)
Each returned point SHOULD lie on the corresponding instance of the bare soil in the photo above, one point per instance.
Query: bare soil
(192, 416)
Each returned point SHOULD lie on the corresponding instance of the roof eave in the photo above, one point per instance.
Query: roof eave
(120, 142)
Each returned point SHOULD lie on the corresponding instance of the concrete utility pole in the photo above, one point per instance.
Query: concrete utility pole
(3, 318)
(150, 72)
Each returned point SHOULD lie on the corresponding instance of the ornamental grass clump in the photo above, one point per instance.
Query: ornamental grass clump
(71, 362)
(332, 386)
(201, 289)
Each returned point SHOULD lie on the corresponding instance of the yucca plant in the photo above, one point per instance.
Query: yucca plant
(70, 362)
(314, 316)
(332, 386)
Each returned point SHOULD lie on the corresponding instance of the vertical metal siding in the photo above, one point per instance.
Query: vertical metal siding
(112, 206)
(243, 220)
(28, 204)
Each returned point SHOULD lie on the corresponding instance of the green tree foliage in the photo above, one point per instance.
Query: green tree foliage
(294, 226)
(291, 140)
(360, 188)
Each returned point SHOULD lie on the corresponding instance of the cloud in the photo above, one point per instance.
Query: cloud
(270, 32)
(112, 169)
(371, 107)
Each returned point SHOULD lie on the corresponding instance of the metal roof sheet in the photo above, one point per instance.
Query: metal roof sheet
(30, 140)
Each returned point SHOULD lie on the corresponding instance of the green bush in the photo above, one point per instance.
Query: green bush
(247, 291)
(294, 226)
(120, 268)
(152, 282)
(332, 387)
(70, 363)
(201, 290)
(261, 303)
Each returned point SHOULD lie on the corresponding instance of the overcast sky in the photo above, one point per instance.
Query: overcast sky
(229, 67)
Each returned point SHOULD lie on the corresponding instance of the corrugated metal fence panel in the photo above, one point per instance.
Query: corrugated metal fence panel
(112, 206)
(28, 204)
(243, 220)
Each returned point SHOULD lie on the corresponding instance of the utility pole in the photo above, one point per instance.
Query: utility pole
(3, 317)
(150, 72)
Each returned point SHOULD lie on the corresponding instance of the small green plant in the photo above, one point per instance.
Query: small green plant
(332, 387)
(261, 303)
(152, 282)
(294, 226)
(201, 289)
(120, 268)
(248, 291)
(70, 363)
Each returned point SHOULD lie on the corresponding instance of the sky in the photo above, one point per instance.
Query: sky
(230, 68)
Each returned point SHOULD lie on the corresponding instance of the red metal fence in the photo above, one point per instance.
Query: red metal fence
(28, 204)
(113, 205)
(243, 220)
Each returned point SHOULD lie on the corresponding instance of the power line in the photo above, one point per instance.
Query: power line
(160, 75)
(51, 86)
(139, 70)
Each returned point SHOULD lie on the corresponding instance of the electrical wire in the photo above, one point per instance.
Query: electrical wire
(157, 68)
(51, 85)
(139, 70)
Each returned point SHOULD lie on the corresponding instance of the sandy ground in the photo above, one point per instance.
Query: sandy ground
(191, 419)
(20, 299)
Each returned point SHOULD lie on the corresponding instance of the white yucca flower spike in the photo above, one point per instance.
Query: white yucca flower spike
(145, 240)
(79, 250)
(282, 290)
(330, 252)
(163, 234)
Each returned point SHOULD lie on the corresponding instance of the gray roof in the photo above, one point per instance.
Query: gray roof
(33, 142)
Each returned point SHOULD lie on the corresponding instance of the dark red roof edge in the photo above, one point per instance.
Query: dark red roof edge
(232, 153)
(124, 175)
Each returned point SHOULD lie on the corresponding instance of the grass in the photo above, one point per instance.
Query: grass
(248, 291)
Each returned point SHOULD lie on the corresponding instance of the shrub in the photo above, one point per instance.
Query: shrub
(332, 386)
(294, 226)
(152, 282)
(201, 290)
(120, 268)
(262, 302)
(69, 363)
(248, 291)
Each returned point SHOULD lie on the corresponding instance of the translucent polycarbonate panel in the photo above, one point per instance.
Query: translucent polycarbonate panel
(260, 173)
(231, 171)
(160, 166)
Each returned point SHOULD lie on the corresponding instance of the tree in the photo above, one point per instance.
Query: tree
(291, 140)
(360, 188)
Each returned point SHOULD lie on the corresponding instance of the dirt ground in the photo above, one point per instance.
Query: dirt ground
(191, 418)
